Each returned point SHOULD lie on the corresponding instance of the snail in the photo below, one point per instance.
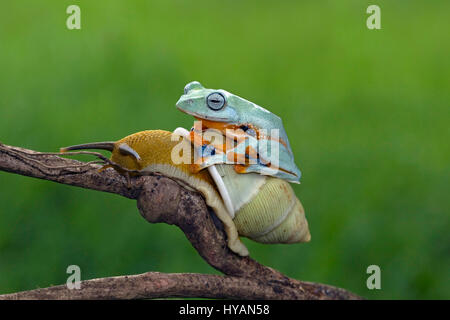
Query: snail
(257, 204)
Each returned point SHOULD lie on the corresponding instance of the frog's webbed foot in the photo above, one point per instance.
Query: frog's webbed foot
(265, 156)
(274, 159)
(241, 154)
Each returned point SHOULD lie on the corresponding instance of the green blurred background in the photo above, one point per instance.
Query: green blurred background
(366, 111)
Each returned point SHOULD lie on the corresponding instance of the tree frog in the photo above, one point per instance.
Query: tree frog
(252, 133)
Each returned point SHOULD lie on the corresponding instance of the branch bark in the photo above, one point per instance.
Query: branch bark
(163, 200)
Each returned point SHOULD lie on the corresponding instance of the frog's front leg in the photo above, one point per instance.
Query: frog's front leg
(241, 154)
(206, 156)
(275, 159)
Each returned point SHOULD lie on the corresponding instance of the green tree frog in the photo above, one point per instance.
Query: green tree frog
(256, 140)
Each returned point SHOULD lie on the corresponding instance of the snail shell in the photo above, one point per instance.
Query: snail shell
(267, 209)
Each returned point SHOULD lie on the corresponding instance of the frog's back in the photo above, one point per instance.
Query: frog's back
(263, 119)
(266, 121)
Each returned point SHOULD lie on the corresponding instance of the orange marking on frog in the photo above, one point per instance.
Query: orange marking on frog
(223, 126)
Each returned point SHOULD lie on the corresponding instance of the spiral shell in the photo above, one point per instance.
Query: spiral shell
(268, 210)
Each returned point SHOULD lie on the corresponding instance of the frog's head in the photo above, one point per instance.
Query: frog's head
(209, 104)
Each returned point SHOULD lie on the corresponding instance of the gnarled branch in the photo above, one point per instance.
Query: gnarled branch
(161, 199)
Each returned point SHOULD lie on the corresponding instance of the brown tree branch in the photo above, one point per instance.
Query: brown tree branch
(161, 199)
(162, 285)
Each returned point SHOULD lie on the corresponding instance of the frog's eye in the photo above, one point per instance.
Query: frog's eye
(215, 101)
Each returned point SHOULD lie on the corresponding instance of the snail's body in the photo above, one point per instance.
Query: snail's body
(268, 211)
